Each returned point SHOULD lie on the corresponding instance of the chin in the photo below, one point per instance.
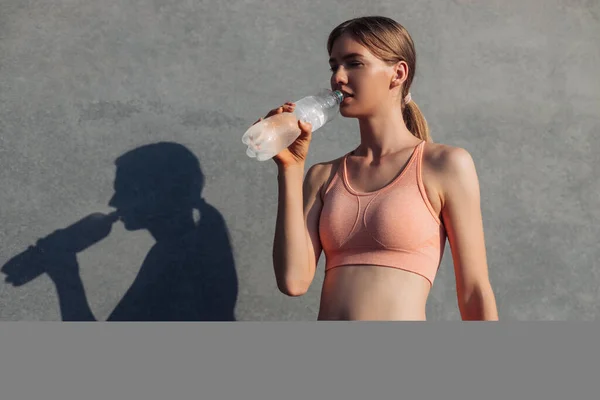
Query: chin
(131, 224)
(350, 114)
(345, 112)
(131, 228)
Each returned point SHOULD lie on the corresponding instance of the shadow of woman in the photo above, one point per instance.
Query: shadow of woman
(189, 273)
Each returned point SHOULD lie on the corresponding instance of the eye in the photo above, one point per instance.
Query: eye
(352, 64)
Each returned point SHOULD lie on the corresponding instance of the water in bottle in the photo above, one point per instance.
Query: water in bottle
(271, 135)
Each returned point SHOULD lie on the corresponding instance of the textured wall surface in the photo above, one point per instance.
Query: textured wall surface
(84, 84)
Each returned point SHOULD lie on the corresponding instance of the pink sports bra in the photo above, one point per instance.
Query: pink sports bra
(395, 226)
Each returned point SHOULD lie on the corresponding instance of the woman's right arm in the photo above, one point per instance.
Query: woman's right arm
(296, 245)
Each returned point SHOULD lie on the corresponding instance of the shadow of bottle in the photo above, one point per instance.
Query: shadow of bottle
(189, 273)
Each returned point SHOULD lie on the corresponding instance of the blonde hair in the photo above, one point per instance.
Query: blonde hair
(390, 42)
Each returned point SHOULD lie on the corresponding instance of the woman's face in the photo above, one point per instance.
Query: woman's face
(356, 71)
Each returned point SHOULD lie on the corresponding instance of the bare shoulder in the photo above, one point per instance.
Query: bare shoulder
(319, 175)
(449, 168)
(447, 159)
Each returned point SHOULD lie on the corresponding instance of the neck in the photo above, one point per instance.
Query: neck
(383, 134)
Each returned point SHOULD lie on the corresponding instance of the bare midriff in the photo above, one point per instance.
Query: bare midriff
(373, 293)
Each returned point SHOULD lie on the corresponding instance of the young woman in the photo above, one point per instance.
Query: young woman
(382, 212)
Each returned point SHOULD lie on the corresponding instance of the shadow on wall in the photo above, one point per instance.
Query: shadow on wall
(188, 275)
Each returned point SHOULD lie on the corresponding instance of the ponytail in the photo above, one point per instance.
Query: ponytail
(415, 121)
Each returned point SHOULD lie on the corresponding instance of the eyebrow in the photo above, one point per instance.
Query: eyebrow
(351, 55)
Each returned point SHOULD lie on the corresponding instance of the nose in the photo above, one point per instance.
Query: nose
(339, 77)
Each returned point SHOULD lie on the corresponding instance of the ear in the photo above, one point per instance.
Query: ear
(400, 73)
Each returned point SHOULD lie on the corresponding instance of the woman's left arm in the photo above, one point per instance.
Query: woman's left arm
(461, 213)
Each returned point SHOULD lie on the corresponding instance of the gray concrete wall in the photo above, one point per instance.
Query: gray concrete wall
(84, 82)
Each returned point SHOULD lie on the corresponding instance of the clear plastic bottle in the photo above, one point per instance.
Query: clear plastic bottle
(270, 136)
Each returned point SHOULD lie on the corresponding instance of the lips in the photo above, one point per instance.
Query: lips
(346, 101)
(345, 93)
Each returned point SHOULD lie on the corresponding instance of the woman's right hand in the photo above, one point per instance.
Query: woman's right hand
(295, 154)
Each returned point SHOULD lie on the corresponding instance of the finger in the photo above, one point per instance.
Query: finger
(305, 127)
(287, 106)
(274, 111)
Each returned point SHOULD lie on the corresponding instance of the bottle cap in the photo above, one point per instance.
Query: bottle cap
(339, 96)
